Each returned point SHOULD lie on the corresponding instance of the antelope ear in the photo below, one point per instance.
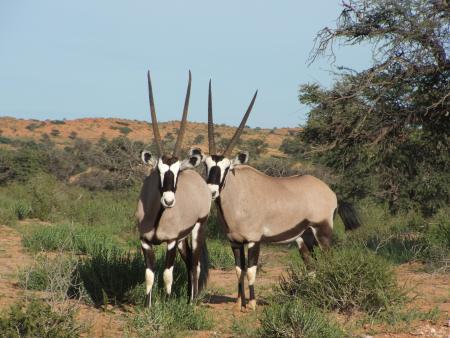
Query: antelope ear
(148, 158)
(241, 158)
(195, 158)
(197, 152)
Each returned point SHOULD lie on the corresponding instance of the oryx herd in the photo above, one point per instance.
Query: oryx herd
(253, 208)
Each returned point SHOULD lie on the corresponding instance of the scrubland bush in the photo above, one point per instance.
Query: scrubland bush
(294, 319)
(36, 318)
(345, 279)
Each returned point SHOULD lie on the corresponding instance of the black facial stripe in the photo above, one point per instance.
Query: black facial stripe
(214, 175)
(169, 160)
(217, 158)
(168, 182)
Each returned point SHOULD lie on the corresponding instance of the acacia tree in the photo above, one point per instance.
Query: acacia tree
(385, 130)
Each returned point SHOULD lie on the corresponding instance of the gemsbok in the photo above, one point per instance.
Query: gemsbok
(255, 208)
(174, 203)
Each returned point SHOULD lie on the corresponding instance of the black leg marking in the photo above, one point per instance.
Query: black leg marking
(323, 232)
(186, 255)
(198, 240)
(243, 272)
(304, 252)
(239, 261)
(253, 256)
(168, 266)
(149, 258)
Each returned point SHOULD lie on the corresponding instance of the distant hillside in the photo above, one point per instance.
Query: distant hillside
(63, 132)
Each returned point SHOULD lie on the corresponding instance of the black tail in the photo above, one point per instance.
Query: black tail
(204, 265)
(349, 216)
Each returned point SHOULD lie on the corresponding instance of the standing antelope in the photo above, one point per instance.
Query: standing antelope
(255, 208)
(173, 203)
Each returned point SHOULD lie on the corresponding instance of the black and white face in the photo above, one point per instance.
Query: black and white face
(169, 168)
(217, 167)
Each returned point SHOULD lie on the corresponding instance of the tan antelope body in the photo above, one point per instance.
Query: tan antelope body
(174, 203)
(278, 208)
(174, 224)
(256, 208)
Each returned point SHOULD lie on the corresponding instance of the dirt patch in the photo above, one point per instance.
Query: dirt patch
(12, 258)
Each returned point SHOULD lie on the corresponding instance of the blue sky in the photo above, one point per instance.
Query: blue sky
(71, 59)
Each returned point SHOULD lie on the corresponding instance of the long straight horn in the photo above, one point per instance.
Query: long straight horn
(156, 135)
(238, 132)
(176, 151)
(212, 145)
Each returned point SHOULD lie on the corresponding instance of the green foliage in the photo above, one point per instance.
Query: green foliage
(113, 164)
(383, 130)
(345, 279)
(255, 147)
(34, 126)
(36, 318)
(55, 132)
(168, 318)
(124, 130)
(54, 275)
(294, 318)
(5, 140)
(199, 139)
(73, 135)
(23, 209)
(80, 240)
(58, 122)
(220, 254)
(109, 274)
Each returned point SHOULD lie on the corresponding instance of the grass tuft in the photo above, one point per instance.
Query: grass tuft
(295, 319)
(168, 318)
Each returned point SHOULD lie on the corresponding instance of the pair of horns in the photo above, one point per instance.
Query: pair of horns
(237, 134)
(157, 135)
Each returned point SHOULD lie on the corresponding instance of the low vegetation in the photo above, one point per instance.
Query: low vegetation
(294, 318)
(36, 318)
(344, 279)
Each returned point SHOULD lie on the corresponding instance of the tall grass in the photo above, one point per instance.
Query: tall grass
(66, 237)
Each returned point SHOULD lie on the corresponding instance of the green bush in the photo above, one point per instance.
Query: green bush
(37, 319)
(296, 319)
(220, 254)
(23, 209)
(57, 122)
(345, 279)
(168, 318)
(110, 274)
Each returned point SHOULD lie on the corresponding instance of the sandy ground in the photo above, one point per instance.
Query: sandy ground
(430, 290)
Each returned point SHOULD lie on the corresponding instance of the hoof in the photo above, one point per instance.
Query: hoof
(252, 304)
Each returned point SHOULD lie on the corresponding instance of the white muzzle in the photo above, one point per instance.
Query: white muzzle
(214, 188)
(168, 199)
